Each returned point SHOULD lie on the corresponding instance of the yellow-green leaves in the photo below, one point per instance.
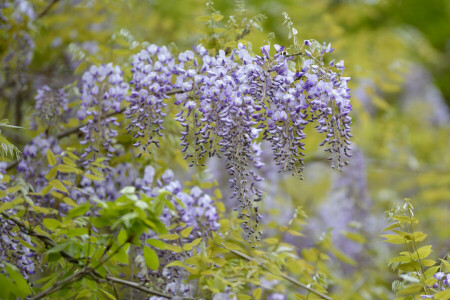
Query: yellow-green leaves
(442, 295)
(186, 232)
(151, 258)
(207, 18)
(57, 185)
(169, 236)
(257, 293)
(422, 252)
(51, 158)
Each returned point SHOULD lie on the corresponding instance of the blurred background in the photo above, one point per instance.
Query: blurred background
(397, 53)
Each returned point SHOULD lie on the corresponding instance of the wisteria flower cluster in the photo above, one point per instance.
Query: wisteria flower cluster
(50, 106)
(31, 167)
(194, 209)
(12, 250)
(103, 90)
(443, 282)
(230, 103)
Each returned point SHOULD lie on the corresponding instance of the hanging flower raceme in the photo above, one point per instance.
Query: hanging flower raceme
(152, 70)
(103, 90)
(229, 103)
(50, 107)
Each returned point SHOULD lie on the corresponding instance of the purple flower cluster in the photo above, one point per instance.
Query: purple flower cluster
(152, 70)
(103, 90)
(33, 166)
(443, 282)
(12, 249)
(228, 103)
(115, 179)
(49, 108)
(193, 208)
(198, 209)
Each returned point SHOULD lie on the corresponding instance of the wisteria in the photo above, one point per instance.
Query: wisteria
(50, 106)
(12, 250)
(103, 90)
(195, 210)
(229, 103)
(32, 167)
(443, 283)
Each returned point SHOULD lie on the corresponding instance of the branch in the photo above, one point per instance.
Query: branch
(46, 9)
(286, 277)
(138, 287)
(59, 285)
(77, 128)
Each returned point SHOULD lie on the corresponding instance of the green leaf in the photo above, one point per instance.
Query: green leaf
(51, 158)
(217, 17)
(203, 18)
(93, 177)
(175, 263)
(78, 211)
(186, 232)
(156, 243)
(429, 273)
(257, 293)
(359, 238)
(51, 224)
(422, 252)
(109, 295)
(442, 295)
(52, 173)
(23, 289)
(400, 259)
(392, 226)
(6, 206)
(394, 239)
(56, 184)
(151, 258)
(419, 236)
(69, 201)
(68, 169)
(188, 247)
(343, 257)
(412, 289)
(173, 248)
(169, 236)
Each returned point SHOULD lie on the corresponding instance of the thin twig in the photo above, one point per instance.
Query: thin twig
(286, 277)
(46, 9)
(59, 285)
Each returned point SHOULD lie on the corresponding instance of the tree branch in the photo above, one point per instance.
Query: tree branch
(77, 128)
(59, 285)
(286, 277)
(46, 9)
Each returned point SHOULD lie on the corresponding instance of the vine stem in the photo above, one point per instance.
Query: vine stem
(284, 276)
